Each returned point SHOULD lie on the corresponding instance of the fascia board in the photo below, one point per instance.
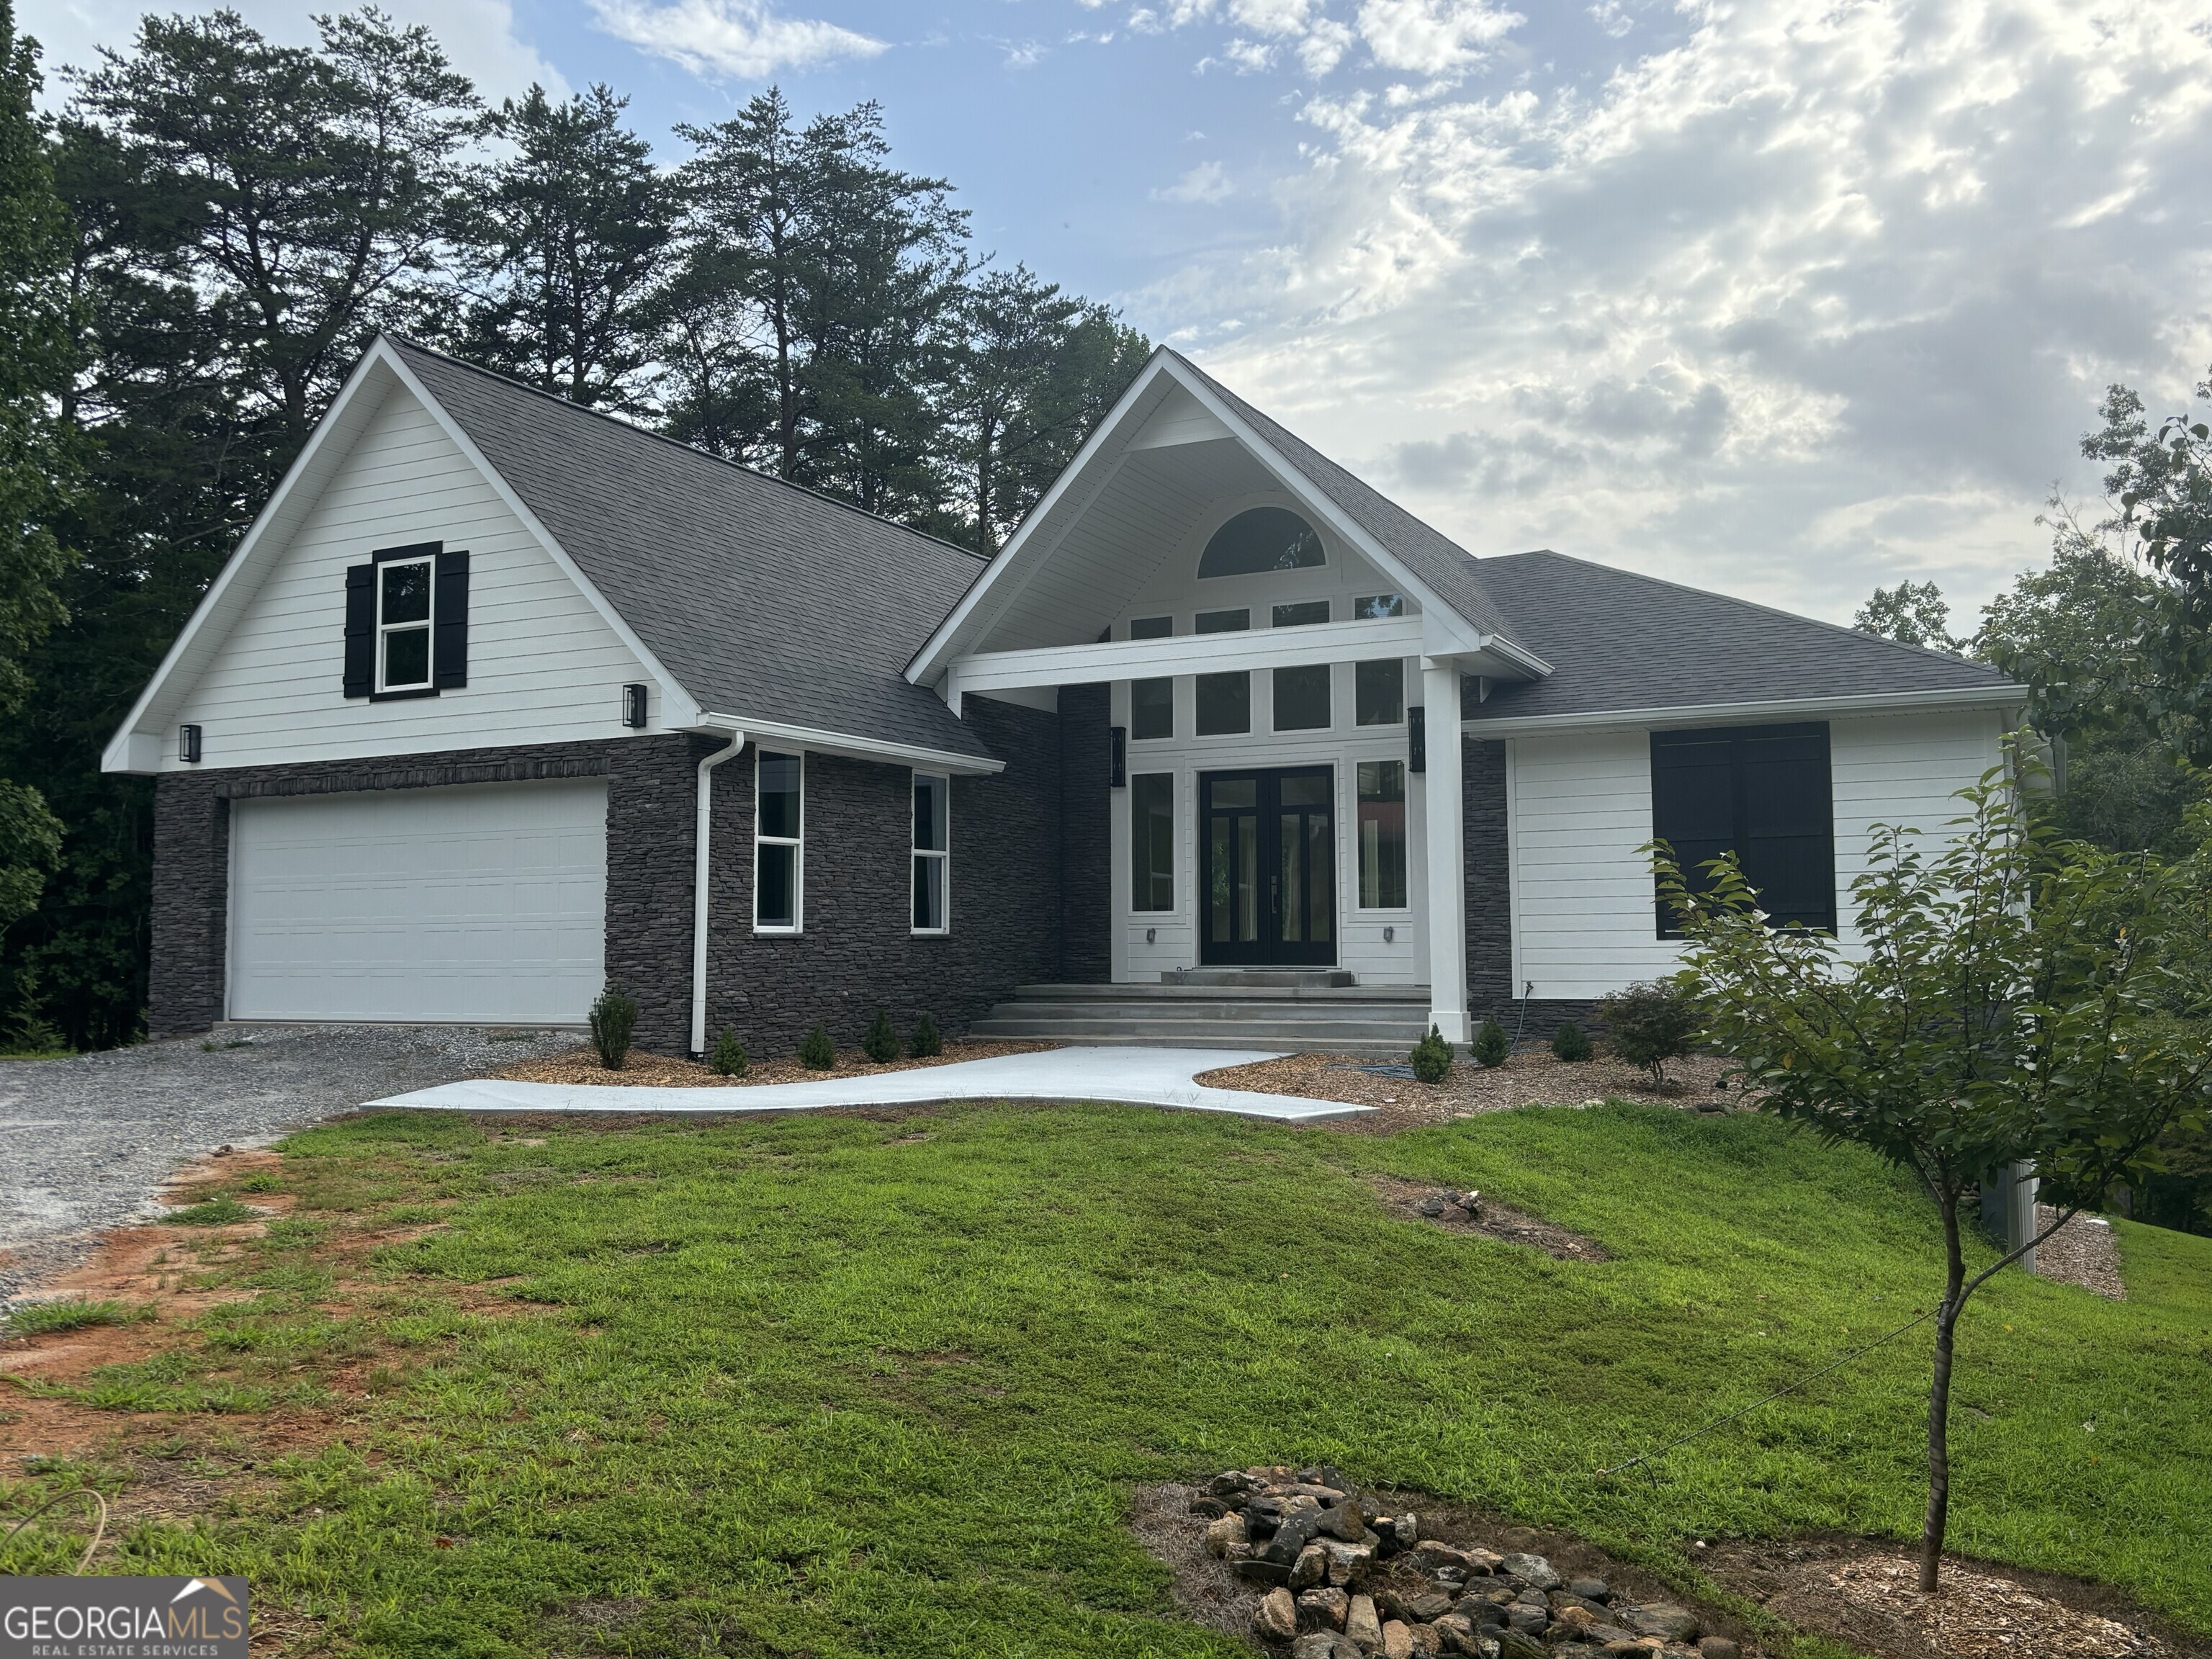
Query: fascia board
(819, 742)
(929, 662)
(1186, 654)
(1716, 714)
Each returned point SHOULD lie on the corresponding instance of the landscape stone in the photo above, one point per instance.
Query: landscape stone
(1211, 1508)
(1427, 1607)
(1233, 1484)
(1319, 1644)
(1348, 1563)
(1609, 1634)
(1661, 1618)
(1516, 1645)
(1254, 1571)
(1310, 1568)
(1405, 1530)
(1589, 1590)
(1345, 1521)
(1220, 1535)
(1458, 1633)
(1428, 1640)
(1324, 1605)
(1361, 1625)
(1296, 1532)
(1277, 1617)
(1531, 1621)
(1430, 1555)
(1719, 1647)
(1323, 1475)
(1532, 1569)
(1397, 1641)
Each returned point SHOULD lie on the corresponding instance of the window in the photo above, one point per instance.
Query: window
(403, 625)
(1151, 708)
(1152, 628)
(1224, 622)
(1224, 704)
(1304, 614)
(777, 845)
(932, 806)
(1152, 841)
(1378, 691)
(1762, 791)
(1376, 606)
(1261, 539)
(1382, 835)
(1301, 698)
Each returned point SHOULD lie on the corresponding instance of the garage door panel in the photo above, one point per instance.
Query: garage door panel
(473, 904)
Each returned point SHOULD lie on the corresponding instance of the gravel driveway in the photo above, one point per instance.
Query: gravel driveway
(86, 1142)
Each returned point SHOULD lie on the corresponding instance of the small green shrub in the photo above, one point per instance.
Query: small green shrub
(74, 1314)
(729, 1058)
(1649, 1023)
(1571, 1042)
(614, 1020)
(925, 1042)
(1490, 1044)
(818, 1052)
(224, 1212)
(1432, 1057)
(882, 1042)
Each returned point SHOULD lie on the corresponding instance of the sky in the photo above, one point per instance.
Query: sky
(1785, 297)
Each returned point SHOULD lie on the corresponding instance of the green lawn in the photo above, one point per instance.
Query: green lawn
(841, 1387)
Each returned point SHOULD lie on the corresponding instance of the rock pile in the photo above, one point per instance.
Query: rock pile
(1437, 1205)
(1345, 1580)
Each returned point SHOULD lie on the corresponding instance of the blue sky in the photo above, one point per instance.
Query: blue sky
(1784, 297)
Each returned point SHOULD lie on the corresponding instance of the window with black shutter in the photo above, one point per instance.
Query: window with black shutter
(407, 623)
(1761, 791)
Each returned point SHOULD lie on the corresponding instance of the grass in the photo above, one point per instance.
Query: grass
(840, 1386)
(76, 1314)
(224, 1212)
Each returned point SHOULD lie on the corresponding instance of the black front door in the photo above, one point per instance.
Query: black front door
(1268, 842)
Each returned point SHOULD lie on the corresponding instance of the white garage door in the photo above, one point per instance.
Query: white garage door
(470, 905)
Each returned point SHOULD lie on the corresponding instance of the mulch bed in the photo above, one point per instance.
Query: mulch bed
(663, 1072)
(2084, 1252)
(1531, 1078)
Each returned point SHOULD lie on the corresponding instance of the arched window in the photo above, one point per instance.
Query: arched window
(1260, 538)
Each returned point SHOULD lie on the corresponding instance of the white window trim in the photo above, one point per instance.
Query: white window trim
(1406, 801)
(428, 625)
(797, 843)
(1358, 725)
(942, 855)
(1321, 731)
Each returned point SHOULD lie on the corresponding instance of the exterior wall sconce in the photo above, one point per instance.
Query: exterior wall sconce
(188, 743)
(1417, 739)
(1117, 757)
(1390, 935)
(634, 706)
(1152, 936)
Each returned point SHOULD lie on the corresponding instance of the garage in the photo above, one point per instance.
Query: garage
(474, 904)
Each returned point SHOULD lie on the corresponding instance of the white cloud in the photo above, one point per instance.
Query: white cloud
(1206, 182)
(1822, 295)
(1433, 37)
(740, 39)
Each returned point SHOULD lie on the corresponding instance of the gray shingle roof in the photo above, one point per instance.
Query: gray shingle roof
(765, 600)
(1618, 641)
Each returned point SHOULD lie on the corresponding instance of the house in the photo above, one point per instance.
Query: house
(499, 699)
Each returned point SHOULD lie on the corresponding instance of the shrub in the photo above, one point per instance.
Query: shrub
(881, 1044)
(1432, 1057)
(924, 1043)
(1571, 1042)
(1490, 1044)
(817, 1053)
(614, 1018)
(1650, 1025)
(729, 1058)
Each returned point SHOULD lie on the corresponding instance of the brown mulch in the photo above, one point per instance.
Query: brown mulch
(1402, 1199)
(1864, 1593)
(2086, 1251)
(1531, 1078)
(663, 1072)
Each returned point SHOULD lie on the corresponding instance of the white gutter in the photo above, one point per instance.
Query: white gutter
(776, 734)
(1707, 714)
(701, 868)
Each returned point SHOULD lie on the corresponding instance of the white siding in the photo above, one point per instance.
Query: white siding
(543, 665)
(1579, 807)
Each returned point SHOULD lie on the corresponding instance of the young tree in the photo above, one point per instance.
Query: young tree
(2017, 998)
(1912, 613)
(568, 248)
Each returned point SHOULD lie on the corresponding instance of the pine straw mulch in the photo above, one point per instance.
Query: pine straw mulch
(1530, 1077)
(581, 1065)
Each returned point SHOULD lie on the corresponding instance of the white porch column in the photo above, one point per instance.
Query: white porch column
(1447, 855)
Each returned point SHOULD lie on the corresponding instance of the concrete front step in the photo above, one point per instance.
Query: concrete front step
(1350, 995)
(1369, 1021)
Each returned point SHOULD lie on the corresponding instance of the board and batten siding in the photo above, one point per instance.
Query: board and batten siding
(543, 665)
(1579, 808)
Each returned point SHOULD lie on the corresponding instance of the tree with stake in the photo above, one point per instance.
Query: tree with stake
(2018, 999)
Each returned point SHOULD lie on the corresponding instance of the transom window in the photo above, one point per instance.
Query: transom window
(1152, 628)
(778, 845)
(1374, 607)
(932, 856)
(1261, 539)
(404, 588)
(1224, 622)
(1304, 614)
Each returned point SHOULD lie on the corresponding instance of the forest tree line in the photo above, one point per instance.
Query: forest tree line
(198, 245)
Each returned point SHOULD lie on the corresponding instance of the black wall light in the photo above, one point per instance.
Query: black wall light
(634, 706)
(1417, 739)
(1117, 757)
(188, 743)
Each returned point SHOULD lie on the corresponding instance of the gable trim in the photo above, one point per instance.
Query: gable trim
(2001, 695)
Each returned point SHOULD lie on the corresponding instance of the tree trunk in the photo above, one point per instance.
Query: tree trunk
(1939, 1401)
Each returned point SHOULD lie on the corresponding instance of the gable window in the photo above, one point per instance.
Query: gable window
(1304, 614)
(1151, 708)
(1152, 841)
(1374, 607)
(932, 855)
(1382, 835)
(1224, 704)
(403, 625)
(407, 621)
(1378, 691)
(1763, 793)
(1224, 622)
(778, 845)
(1152, 628)
(1261, 539)
(1301, 698)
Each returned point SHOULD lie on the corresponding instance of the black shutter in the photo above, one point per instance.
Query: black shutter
(449, 649)
(360, 629)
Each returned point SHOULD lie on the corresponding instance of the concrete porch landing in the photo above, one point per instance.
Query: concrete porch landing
(1140, 1077)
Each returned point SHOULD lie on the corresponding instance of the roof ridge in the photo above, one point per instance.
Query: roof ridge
(678, 444)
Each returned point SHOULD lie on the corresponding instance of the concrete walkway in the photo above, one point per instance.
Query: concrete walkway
(1142, 1077)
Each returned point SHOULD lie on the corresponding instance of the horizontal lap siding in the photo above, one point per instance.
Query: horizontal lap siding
(544, 666)
(1903, 769)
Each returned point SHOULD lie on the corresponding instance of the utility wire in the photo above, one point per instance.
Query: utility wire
(98, 1528)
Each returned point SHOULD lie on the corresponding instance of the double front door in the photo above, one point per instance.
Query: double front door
(1267, 842)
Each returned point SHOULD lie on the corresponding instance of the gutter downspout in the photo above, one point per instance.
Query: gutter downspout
(703, 865)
